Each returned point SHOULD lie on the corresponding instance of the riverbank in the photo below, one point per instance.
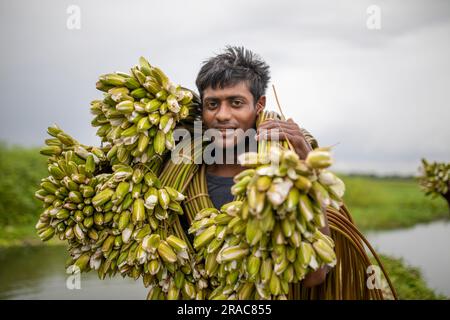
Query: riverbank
(407, 280)
(22, 235)
(390, 203)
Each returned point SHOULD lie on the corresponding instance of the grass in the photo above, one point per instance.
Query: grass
(389, 203)
(22, 235)
(407, 280)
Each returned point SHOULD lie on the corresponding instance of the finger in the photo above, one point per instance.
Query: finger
(278, 124)
(286, 126)
(268, 134)
(293, 123)
(291, 131)
(277, 135)
(270, 122)
(288, 137)
(289, 123)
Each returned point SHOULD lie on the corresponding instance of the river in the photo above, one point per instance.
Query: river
(38, 273)
(425, 246)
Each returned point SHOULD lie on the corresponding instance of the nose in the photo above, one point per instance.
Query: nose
(224, 113)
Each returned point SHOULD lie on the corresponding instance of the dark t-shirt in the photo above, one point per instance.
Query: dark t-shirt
(219, 189)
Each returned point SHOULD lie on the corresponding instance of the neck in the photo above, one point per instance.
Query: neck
(224, 170)
(229, 168)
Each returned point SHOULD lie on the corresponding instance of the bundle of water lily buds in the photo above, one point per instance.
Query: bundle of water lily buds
(108, 203)
(139, 112)
(435, 179)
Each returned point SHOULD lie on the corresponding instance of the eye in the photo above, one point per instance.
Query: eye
(236, 103)
(211, 104)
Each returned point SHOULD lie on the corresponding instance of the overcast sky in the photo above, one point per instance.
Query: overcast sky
(383, 95)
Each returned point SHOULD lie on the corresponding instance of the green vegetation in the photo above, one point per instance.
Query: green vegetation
(22, 235)
(389, 203)
(407, 280)
(20, 172)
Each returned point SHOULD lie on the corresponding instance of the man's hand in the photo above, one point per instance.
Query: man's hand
(287, 131)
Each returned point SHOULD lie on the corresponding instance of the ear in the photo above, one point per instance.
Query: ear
(260, 104)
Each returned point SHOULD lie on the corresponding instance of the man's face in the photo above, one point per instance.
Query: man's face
(228, 109)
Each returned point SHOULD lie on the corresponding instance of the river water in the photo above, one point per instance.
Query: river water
(39, 273)
(426, 246)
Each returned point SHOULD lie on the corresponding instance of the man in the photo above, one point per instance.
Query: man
(232, 88)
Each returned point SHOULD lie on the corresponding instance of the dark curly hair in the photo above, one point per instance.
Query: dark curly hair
(234, 65)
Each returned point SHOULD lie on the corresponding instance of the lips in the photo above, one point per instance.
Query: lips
(225, 128)
(225, 131)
